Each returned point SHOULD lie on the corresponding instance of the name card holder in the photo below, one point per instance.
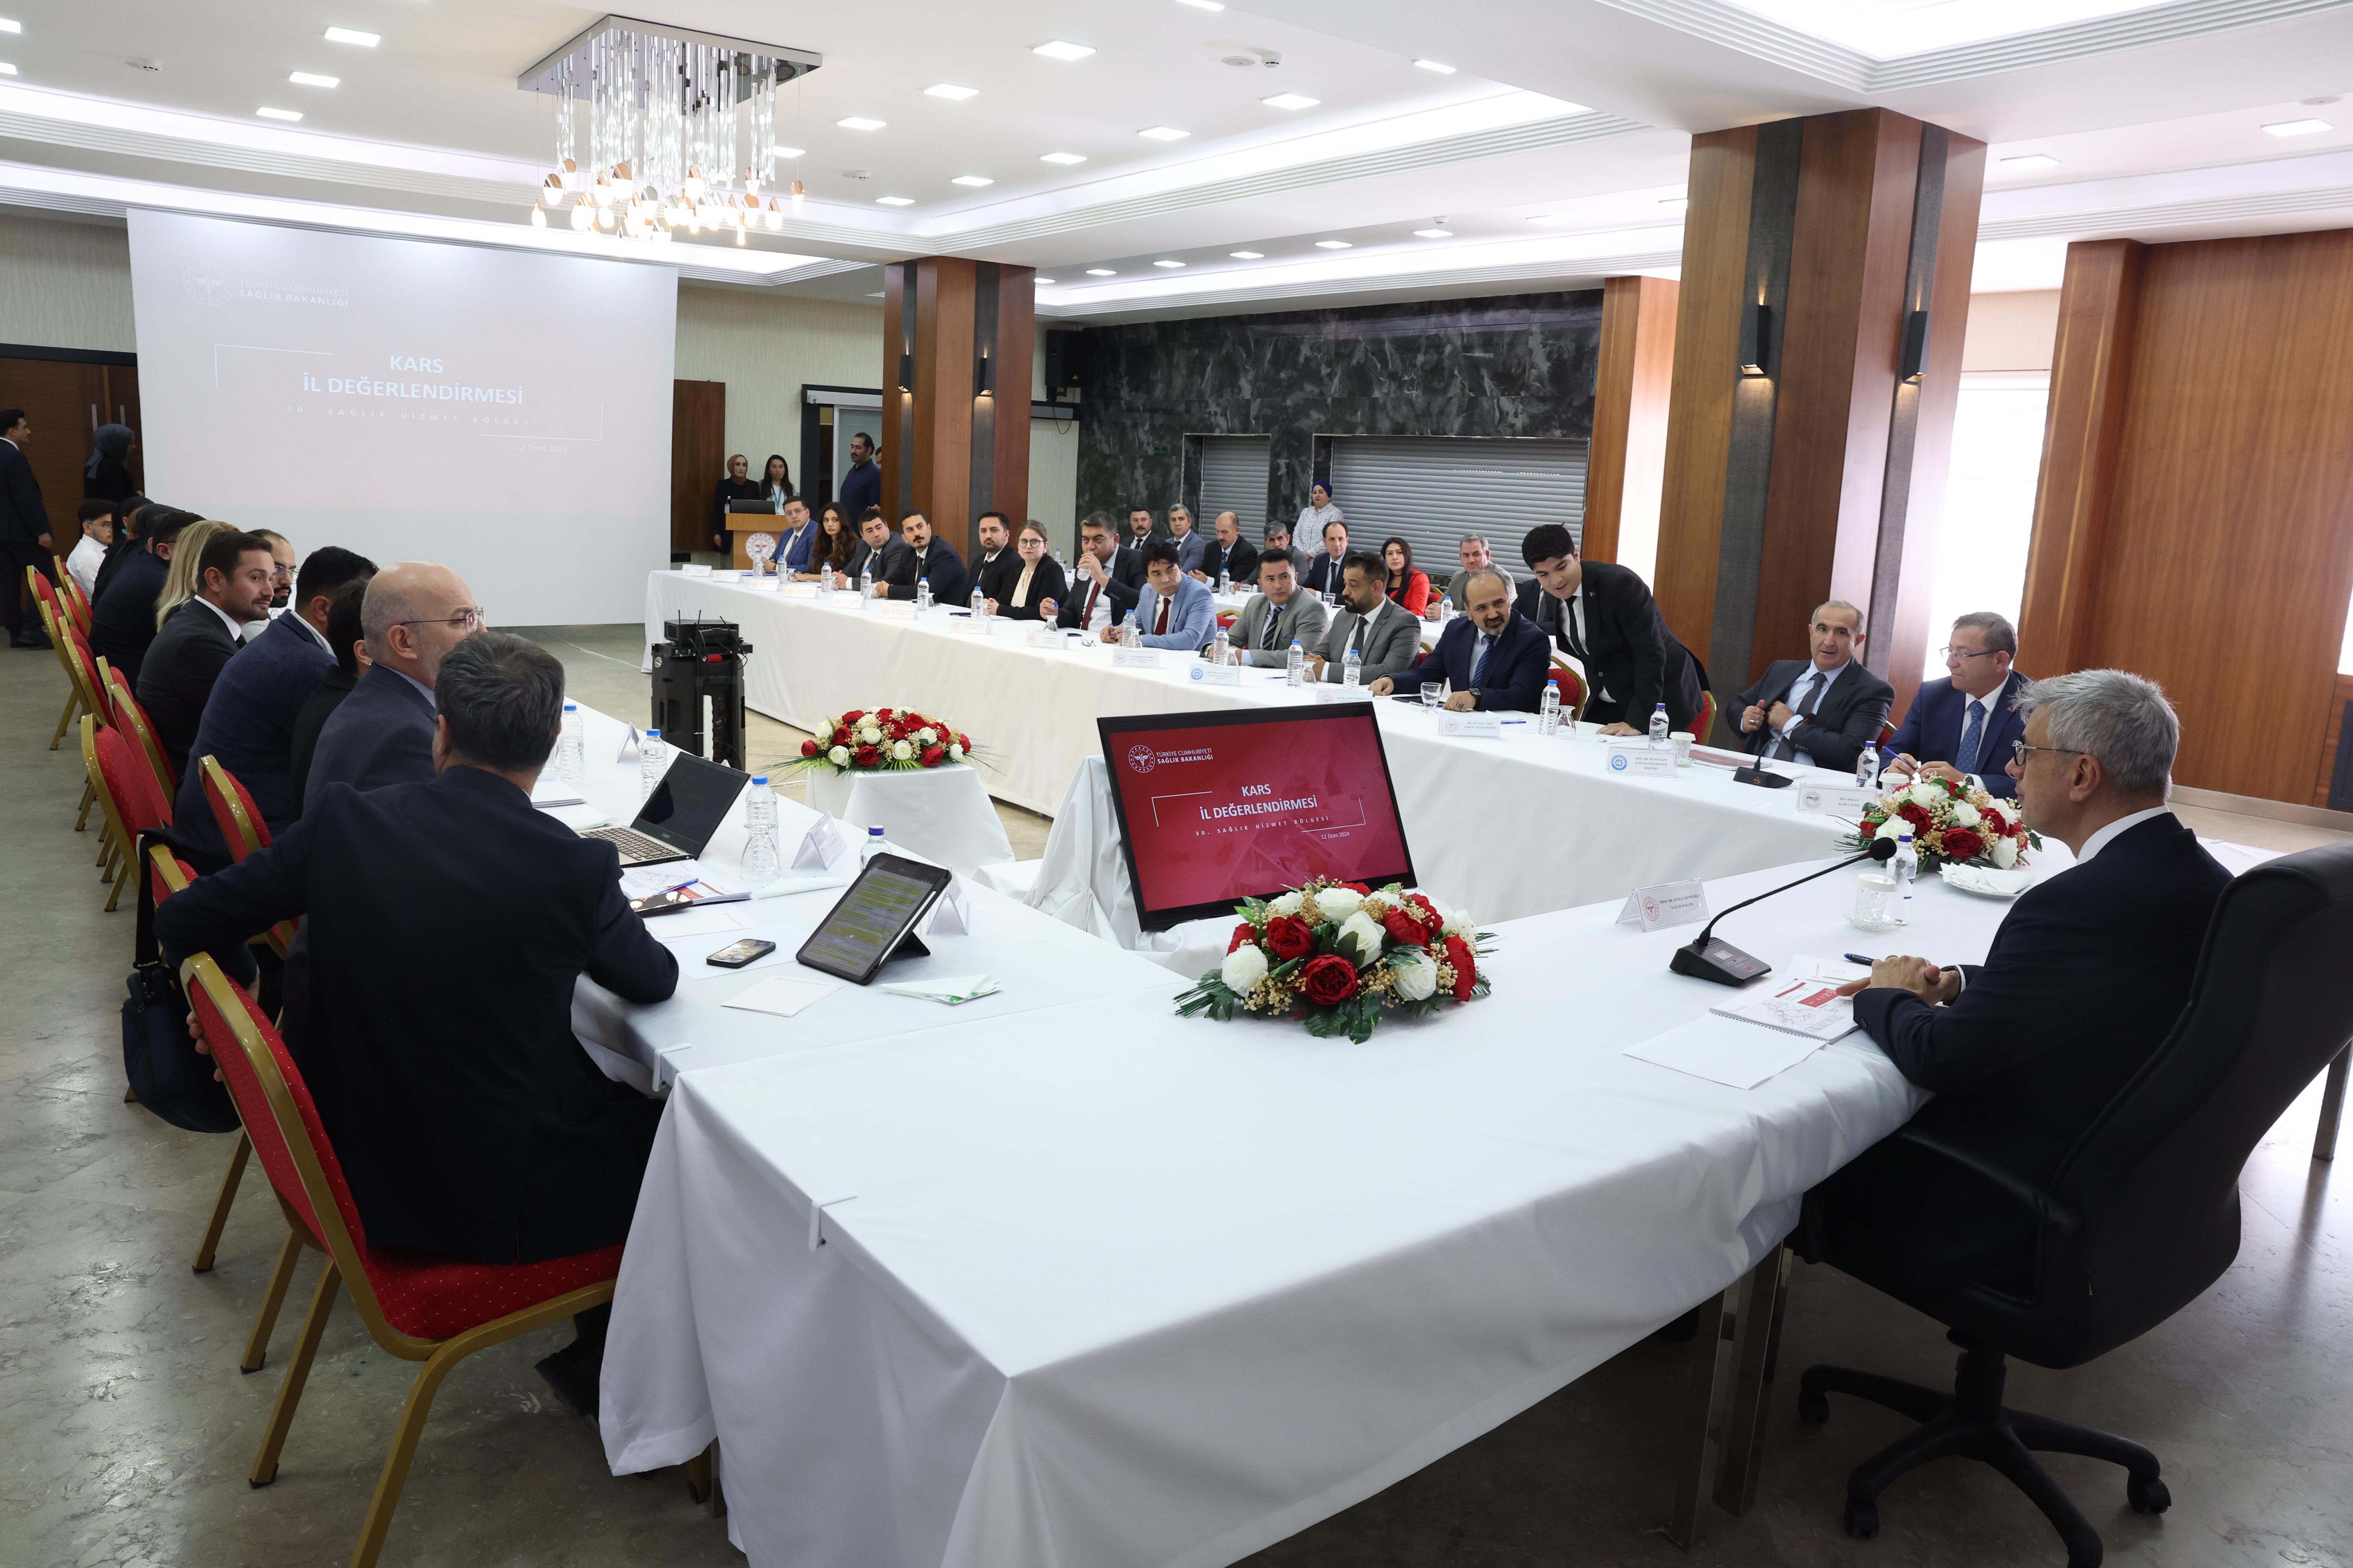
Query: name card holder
(1045, 636)
(1642, 759)
(1833, 800)
(1207, 674)
(1665, 904)
(1135, 659)
(1471, 726)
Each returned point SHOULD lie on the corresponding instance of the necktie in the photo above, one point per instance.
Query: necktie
(1479, 664)
(1160, 621)
(1357, 637)
(1972, 737)
(1087, 617)
(1788, 748)
(1569, 633)
(1266, 627)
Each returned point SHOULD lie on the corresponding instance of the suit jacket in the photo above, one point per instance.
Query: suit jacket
(1298, 563)
(1392, 646)
(122, 617)
(792, 549)
(1240, 563)
(1932, 730)
(1630, 652)
(448, 923)
(1192, 617)
(884, 560)
(380, 734)
(1190, 549)
(1516, 668)
(249, 725)
(861, 487)
(995, 579)
(175, 679)
(1322, 572)
(1847, 718)
(1127, 585)
(23, 518)
(1045, 583)
(1461, 580)
(937, 560)
(1303, 618)
(317, 709)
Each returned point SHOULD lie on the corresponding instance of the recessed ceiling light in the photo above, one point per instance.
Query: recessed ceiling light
(1291, 100)
(860, 123)
(2299, 128)
(1546, 218)
(1247, 255)
(1041, 281)
(8, 24)
(792, 151)
(974, 181)
(1056, 50)
(1331, 245)
(287, 114)
(1062, 158)
(312, 78)
(1167, 264)
(1434, 65)
(894, 201)
(1164, 133)
(354, 36)
(6, 69)
(949, 89)
(1101, 272)
(1203, 5)
(2031, 160)
(1433, 234)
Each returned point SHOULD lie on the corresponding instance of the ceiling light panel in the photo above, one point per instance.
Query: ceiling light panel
(951, 91)
(1203, 5)
(9, 25)
(1247, 255)
(1163, 133)
(894, 201)
(974, 181)
(1294, 101)
(6, 69)
(2025, 161)
(289, 115)
(1433, 234)
(1063, 158)
(1331, 245)
(860, 123)
(1101, 272)
(1167, 264)
(1042, 283)
(312, 78)
(1060, 50)
(354, 36)
(2298, 128)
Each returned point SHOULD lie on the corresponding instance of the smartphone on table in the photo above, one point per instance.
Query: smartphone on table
(736, 955)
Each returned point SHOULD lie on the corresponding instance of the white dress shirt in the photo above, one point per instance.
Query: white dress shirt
(2117, 829)
(235, 627)
(82, 563)
(1797, 690)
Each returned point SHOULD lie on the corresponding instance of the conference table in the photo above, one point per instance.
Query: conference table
(1090, 1283)
(1507, 826)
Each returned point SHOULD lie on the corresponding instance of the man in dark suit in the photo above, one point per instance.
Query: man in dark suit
(449, 923)
(1228, 554)
(1961, 727)
(415, 613)
(1821, 712)
(1280, 611)
(347, 642)
(878, 549)
(1603, 616)
(1106, 581)
(997, 566)
(926, 558)
(122, 617)
(861, 485)
(1385, 634)
(233, 588)
(248, 724)
(25, 536)
(2086, 976)
(1322, 574)
(1494, 655)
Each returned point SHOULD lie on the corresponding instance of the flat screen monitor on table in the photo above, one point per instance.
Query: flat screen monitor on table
(1216, 807)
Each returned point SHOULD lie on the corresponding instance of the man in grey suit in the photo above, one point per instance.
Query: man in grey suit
(1190, 545)
(1279, 614)
(1385, 634)
(1475, 555)
(1821, 712)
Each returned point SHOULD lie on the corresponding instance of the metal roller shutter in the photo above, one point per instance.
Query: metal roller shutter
(1233, 479)
(1430, 490)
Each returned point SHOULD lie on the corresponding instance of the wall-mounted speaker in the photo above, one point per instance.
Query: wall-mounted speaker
(1066, 362)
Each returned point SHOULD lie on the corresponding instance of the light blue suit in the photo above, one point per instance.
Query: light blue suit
(1190, 549)
(1191, 618)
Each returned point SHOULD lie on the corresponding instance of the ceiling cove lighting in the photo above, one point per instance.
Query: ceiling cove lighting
(860, 123)
(894, 201)
(2298, 128)
(1167, 264)
(1294, 101)
(1434, 65)
(312, 78)
(2031, 160)
(1433, 234)
(1042, 283)
(1064, 158)
(354, 36)
(1163, 133)
(1060, 50)
(9, 25)
(1331, 245)
(1203, 5)
(289, 115)
(6, 69)
(951, 91)
(1101, 272)
(974, 181)
(1247, 255)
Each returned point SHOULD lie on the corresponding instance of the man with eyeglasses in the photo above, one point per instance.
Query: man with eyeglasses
(415, 613)
(1962, 727)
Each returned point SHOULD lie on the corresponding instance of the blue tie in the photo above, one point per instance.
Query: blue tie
(1972, 737)
(1479, 663)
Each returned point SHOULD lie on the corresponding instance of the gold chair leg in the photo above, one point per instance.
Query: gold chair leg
(105, 845)
(289, 1392)
(230, 1179)
(257, 1344)
(89, 799)
(118, 874)
(130, 1095)
(66, 719)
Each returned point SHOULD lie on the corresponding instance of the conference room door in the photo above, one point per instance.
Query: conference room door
(1430, 490)
(67, 398)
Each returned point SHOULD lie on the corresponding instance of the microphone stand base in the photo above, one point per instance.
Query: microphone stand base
(1717, 961)
(1762, 777)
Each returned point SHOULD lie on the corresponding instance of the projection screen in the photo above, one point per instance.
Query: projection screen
(504, 412)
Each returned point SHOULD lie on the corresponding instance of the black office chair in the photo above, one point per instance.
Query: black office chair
(2141, 1217)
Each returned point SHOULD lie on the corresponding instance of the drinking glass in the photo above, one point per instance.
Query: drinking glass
(1431, 690)
(1871, 892)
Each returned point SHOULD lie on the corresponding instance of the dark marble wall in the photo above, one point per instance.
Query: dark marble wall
(1514, 365)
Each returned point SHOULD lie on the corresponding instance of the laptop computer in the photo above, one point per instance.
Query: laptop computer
(679, 819)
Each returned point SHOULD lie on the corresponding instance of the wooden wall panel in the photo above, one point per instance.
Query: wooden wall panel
(1626, 470)
(1017, 298)
(898, 399)
(943, 373)
(2332, 737)
(698, 459)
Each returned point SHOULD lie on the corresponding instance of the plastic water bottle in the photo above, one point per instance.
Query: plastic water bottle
(1548, 716)
(1445, 609)
(653, 760)
(1225, 581)
(1128, 635)
(1661, 727)
(570, 759)
(1294, 665)
(1352, 669)
(866, 579)
(923, 592)
(979, 604)
(1866, 766)
(759, 833)
(872, 846)
(1905, 869)
(824, 577)
(1218, 649)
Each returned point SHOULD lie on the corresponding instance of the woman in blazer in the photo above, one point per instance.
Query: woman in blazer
(1036, 592)
(1407, 587)
(836, 542)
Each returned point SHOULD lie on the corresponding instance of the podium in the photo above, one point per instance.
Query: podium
(742, 525)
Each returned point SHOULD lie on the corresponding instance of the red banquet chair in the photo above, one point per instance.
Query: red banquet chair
(166, 875)
(1704, 723)
(130, 716)
(128, 794)
(416, 1306)
(1571, 686)
(242, 829)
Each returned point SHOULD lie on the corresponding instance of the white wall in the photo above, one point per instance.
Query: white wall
(765, 347)
(65, 285)
(2012, 331)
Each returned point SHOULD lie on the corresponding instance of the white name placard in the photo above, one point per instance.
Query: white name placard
(1471, 726)
(1643, 759)
(1215, 675)
(1135, 659)
(765, 585)
(1847, 802)
(820, 847)
(1044, 637)
(1667, 904)
(692, 570)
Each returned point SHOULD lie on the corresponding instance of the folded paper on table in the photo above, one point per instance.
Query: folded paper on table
(1726, 1051)
(952, 913)
(548, 791)
(821, 846)
(788, 884)
(952, 989)
(782, 996)
(1802, 1006)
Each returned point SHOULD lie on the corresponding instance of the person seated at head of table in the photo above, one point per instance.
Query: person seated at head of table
(1228, 554)
(2085, 978)
(1278, 543)
(1190, 546)
(995, 563)
(1106, 580)
(924, 557)
(468, 1122)
(878, 548)
(1960, 728)
(1173, 611)
(1037, 587)
(1385, 639)
(1323, 575)
(1473, 551)
(1821, 712)
(1279, 613)
(1494, 655)
(1405, 584)
(833, 544)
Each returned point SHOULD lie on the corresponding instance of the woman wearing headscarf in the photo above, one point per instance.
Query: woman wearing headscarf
(777, 481)
(107, 475)
(737, 486)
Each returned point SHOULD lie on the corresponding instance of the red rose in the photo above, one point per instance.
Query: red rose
(882, 714)
(1913, 812)
(1430, 915)
(1326, 980)
(866, 756)
(1963, 843)
(1404, 929)
(1466, 967)
(964, 740)
(853, 716)
(841, 736)
(809, 748)
(1995, 822)
(1358, 887)
(1289, 937)
(1244, 935)
(935, 755)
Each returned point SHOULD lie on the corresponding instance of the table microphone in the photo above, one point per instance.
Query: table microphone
(1757, 773)
(1702, 958)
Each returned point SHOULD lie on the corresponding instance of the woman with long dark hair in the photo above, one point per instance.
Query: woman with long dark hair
(835, 539)
(777, 481)
(1407, 587)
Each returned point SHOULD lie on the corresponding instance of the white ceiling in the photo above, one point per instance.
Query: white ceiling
(1553, 153)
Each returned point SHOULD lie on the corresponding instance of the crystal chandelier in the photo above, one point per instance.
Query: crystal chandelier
(681, 131)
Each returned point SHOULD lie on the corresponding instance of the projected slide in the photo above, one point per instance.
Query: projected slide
(506, 413)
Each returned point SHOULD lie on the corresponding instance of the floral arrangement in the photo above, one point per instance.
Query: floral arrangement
(1337, 954)
(1950, 823)
(883, 740)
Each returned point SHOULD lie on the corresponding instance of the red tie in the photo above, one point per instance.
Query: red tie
(1160, 623)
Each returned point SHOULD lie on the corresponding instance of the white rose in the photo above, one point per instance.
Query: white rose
(1288, 904)
(928, 737)
(1965, 814)
(871, 735)
(1338, 904)
(1414, 975)
(2005, 853)
(838, 756)
(1457, 923)
(956, 753)
(1893, 828)
(901, 751)
(1242, 970)
(1928, 793)
(1367, 933)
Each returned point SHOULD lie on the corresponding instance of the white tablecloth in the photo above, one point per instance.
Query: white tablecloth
(1104, 1286)
(1507, 827)
(941, 814)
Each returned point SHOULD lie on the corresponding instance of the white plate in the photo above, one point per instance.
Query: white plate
(1985, 881)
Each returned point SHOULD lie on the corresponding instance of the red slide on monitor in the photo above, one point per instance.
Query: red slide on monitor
(1214, 808)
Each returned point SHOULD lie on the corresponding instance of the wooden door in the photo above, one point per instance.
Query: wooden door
(56, 397)
(121, 406)
(697, 459)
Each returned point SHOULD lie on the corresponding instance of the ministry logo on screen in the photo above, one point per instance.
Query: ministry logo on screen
(1141, 759)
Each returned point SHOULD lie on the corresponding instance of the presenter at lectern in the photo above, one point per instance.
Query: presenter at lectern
(737, 486)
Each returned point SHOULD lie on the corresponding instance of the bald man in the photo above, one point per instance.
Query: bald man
(415, 613)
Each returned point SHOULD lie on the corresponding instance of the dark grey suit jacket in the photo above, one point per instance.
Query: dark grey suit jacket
(382, 734)
(1302, 618)
(1393, 645)
(1848, 719)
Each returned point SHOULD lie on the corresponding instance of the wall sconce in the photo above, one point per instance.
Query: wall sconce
(1755, 331)
(906, 373)
(1914, 362)
(984, 377)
